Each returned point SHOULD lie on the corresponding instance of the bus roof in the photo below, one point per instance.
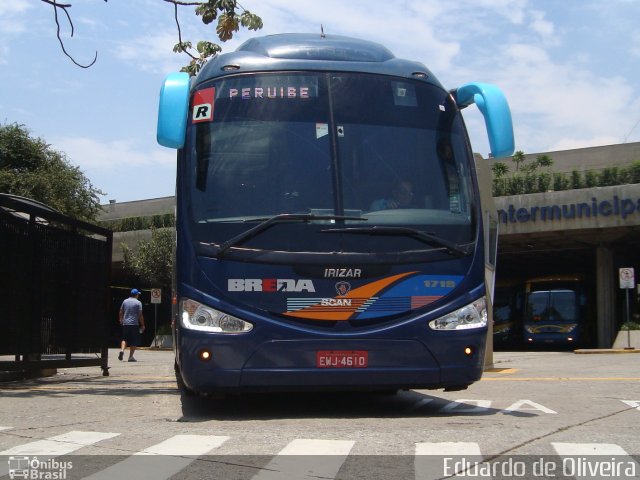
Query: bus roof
(300, 51)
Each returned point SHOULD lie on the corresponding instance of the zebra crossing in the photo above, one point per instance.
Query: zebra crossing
(176, 454)
(309, 458)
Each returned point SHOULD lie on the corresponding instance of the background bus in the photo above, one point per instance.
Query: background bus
(329, 228)
(555, 312)
(508, 303)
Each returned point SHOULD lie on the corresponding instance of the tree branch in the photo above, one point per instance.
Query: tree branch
(184, 4)
(55, 4)
(224, 11)
(175, 7)
(64, 8)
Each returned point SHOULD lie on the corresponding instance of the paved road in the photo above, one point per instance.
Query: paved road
(531, 411)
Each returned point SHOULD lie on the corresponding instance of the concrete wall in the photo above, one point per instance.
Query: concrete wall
(580, 159)
(138, 208)
(602, 207)
(131, 239)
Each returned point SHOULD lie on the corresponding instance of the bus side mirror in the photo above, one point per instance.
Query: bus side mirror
(497, 116)
(172, 110)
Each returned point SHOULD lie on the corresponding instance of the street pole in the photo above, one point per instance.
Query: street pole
(627, 281)
(628, 324)
(155, 325)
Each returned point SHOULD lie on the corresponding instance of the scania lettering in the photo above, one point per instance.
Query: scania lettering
(339, 302)
(328, 223)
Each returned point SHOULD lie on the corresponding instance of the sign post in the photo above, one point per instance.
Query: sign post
(156, 298)
(627, 281)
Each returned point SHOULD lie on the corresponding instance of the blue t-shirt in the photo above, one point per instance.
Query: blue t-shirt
(380, 204)
(131, 309)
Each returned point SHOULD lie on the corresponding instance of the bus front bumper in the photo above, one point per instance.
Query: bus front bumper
(284, 365)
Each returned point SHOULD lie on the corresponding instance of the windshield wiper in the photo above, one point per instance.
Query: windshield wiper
(268, 222)
(426, 237)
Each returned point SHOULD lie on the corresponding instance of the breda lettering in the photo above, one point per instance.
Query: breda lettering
(269, 285)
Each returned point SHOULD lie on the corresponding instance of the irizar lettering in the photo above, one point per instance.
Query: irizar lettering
(342, 273)
(269, 285)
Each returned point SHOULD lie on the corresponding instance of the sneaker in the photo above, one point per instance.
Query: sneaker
(131, 359)
(120, 356)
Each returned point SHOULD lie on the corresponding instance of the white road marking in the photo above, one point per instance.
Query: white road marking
(55, 446)
(307, 458)
(445, 459)
(163, 460)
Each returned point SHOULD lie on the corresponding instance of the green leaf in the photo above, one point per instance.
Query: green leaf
(227, 25)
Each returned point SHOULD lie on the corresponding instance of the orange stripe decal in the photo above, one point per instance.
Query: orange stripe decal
(351, 302)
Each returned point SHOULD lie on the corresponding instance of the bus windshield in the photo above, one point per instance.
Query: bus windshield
(558, 306)
(372, 150)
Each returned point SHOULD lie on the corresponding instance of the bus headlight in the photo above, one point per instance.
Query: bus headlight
(196, 316)
(473, 315)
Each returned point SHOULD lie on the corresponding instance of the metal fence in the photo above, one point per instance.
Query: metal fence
(54, 288)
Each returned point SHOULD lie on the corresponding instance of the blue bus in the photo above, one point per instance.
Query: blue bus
(556, 311)
(508, 303)
(329, 229)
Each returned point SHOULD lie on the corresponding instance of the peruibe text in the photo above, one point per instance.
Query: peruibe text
(269, 92)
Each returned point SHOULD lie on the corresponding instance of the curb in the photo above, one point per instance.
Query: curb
(583, 351)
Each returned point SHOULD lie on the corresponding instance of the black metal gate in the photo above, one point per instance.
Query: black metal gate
(54, 288)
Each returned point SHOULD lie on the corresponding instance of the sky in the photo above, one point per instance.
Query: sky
(570, 70)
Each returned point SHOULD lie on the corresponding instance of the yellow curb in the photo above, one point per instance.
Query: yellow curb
(561, 379)
(583, 351)
(503, 371)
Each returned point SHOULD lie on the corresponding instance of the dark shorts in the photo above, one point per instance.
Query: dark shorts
(131, 335)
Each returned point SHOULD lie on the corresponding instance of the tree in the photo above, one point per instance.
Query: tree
(544, 161)
(518, 158)
(229, 13)
(153, 262)
(499, 169)
(29, 167)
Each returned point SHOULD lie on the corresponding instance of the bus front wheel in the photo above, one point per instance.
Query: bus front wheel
(181, 385)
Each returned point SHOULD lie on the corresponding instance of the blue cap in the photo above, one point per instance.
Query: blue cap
(135, 291)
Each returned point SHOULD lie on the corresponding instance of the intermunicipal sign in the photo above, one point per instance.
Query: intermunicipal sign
(156, 295)
(627, 278)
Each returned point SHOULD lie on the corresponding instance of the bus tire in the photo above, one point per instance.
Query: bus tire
(184, 390)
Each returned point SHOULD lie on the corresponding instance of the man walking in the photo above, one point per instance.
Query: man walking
(132, 322)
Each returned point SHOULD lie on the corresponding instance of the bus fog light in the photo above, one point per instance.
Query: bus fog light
(468, 351)
(470, 316)
(204, 355)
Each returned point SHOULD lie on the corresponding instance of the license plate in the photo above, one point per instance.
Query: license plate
(342, 359)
